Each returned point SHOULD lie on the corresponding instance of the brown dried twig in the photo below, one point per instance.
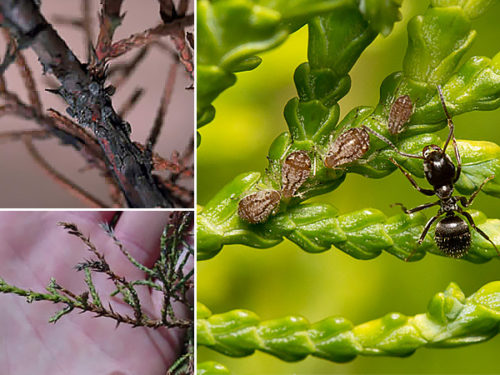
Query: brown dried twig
(162, 109)
(185, 53)
(29, 83)
(109, 20)
(130, 102)
(21, 134)
(168, 12)
(147, 37)
(125, 70)
(60, 179)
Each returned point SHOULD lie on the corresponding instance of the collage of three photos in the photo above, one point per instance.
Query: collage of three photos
(219, 187)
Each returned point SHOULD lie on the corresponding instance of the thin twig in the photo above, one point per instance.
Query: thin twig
(148, 36)
(184, 51)
(87, 23)
(21, 134)
(109, 20)
(168, 12)
(130, 102)
(60, 179)
(179, 191)
(29, 83)
(162, 109)
(125, 70)
(3, 86)
(188, 152)
(64, 123)
(26, 75)
(182, 8)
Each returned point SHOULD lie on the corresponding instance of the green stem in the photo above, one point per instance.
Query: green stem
(317, 227)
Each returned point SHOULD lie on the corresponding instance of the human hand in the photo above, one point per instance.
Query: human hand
(33, 248)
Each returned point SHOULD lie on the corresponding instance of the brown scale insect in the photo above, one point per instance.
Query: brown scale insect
(257, 207)
(401, 111)
(294, 172)
(348, 147)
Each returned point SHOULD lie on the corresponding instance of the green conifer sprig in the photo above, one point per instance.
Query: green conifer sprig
(451, 320)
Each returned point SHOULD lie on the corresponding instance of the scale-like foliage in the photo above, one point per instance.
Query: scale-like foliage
(451, 320)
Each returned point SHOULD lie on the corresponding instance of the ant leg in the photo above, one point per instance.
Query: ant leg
(416, 209)
(424, 233)
(473, 225)
(384, 139)
(314, 161)
(412, 181)
(459, 159)
(467, 203)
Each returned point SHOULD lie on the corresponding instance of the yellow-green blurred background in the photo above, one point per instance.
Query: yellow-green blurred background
(284, 280)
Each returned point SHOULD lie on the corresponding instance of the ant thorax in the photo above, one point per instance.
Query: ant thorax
(443, 192)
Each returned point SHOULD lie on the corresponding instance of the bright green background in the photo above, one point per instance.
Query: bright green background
(285, 280)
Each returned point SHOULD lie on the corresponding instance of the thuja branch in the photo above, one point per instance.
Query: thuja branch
(88, 101)
(167, 276)
(451, 320)
(317, 227)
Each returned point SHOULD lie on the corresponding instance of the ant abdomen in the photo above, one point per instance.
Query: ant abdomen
(453, 236)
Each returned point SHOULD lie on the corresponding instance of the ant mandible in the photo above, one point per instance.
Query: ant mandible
(452, 234)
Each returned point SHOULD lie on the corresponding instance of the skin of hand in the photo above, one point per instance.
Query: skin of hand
(33, 248)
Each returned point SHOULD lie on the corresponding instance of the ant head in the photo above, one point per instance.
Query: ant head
(430, 150)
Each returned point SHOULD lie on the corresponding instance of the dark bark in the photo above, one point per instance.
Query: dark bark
(88, 101)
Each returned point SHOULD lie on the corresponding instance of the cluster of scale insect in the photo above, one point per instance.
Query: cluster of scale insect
(258, 206)
(353, 144)
(91, 105)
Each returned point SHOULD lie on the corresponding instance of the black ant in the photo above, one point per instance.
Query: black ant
(452, 233)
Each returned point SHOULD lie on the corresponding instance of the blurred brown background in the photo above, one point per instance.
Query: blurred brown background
(23, 183)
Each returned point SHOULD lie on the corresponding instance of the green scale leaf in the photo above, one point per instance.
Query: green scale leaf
(231, 33)
(451, 320)
(317, 227)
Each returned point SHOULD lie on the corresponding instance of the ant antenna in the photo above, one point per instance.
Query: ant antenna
(448, 118)
(384, 139)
